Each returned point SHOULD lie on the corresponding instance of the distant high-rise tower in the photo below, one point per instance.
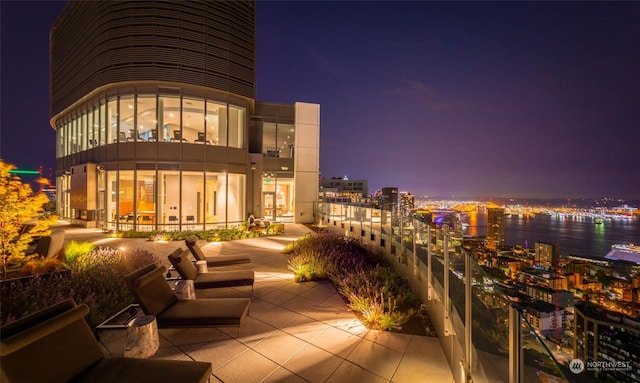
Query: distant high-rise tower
(495, 228)
(546, 255)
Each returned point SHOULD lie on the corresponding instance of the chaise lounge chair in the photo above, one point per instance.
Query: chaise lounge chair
(212, 279)
(153, 293)
(49, 245)
(218, 260)
(57, 345)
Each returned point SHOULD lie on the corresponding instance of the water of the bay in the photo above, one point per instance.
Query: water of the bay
(574, 235)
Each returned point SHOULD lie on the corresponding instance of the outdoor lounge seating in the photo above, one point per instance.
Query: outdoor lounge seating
(212, 279)
(49, 245)
(218, 260)
(57, 345)
(153, 293)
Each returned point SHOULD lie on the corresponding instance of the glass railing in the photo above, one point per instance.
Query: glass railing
(494, 341)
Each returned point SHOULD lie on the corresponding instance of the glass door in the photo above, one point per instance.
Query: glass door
(269, 203)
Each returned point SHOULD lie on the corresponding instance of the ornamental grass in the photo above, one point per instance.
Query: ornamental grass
(95, 278)
(381, 298)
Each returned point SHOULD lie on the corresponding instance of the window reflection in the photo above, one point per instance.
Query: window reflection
(170, 117)
(147, 120)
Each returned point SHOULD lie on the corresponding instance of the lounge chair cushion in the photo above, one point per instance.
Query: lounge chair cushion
(57, 345)
(217, 260)
(229, 278)
(133, 370)
(48, 346)
(179, 259)
(150, 289)
(205, 312)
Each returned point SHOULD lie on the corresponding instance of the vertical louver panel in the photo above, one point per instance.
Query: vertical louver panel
(203, 43)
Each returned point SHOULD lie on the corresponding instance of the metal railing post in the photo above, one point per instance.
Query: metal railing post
(429, 270)
(515, 345)
(448, 328)
(468, 278)
(414, 223)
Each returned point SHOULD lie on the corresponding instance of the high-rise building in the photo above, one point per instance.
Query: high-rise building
(157, 126)
(546, 255)
(607, 342)
(495, 228)
(353, 190)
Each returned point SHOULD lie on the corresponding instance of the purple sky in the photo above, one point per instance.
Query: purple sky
(522, 99)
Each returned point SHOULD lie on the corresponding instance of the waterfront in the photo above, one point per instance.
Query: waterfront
(574, 235)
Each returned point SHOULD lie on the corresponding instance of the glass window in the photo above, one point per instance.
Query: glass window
(236, 199)
(94, 140)
(285, 138)
(112, 199)
(146, 199)
(213, 128)
(112, 121)
(82, 132)
(168, 199)
(236, 127)
(213, 207)
(147, 119)
(60, 140)
(74, 135)
(223, 127)
(192, 199)
(169, 117)
(127, 131)
(269, 142)
(192, 121)
(101, 201)
(126, 192)
(103, 124)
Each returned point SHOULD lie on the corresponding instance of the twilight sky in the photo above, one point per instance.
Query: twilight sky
(521, 99)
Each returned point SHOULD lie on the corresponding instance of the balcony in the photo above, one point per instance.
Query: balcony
(485, 336)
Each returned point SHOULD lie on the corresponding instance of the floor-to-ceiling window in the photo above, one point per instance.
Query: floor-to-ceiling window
(192, 120)
(169, 115)
(111, 194)
(213, 210)
(236, 186)
(103, 124)
(146, 118)
(236, 127)
(214, 134)
(192, 198)
(126, 193)
(126, 131)
(146, 199)
(169, 199)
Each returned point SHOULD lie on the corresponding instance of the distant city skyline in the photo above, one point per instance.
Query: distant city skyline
(502, 99)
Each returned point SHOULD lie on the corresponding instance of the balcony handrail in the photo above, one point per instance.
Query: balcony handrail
(387, 229)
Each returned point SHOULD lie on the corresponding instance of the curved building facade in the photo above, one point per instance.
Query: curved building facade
(157, 127)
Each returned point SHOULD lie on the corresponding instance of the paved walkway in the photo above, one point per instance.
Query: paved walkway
(295, 332)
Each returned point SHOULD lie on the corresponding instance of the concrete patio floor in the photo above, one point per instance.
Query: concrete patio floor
(295, 332)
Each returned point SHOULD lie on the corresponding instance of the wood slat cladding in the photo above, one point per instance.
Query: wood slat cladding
(204, 43)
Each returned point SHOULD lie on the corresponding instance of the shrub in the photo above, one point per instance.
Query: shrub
(382, 299)
(95, 279)
(76, 249)
(37, 265)
(308, 266)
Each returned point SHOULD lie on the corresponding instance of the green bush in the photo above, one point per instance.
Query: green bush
(74, 250)
(308, 266)
(96, 279)
(207, 235)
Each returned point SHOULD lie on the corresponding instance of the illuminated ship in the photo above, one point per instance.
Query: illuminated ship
(628, 252)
